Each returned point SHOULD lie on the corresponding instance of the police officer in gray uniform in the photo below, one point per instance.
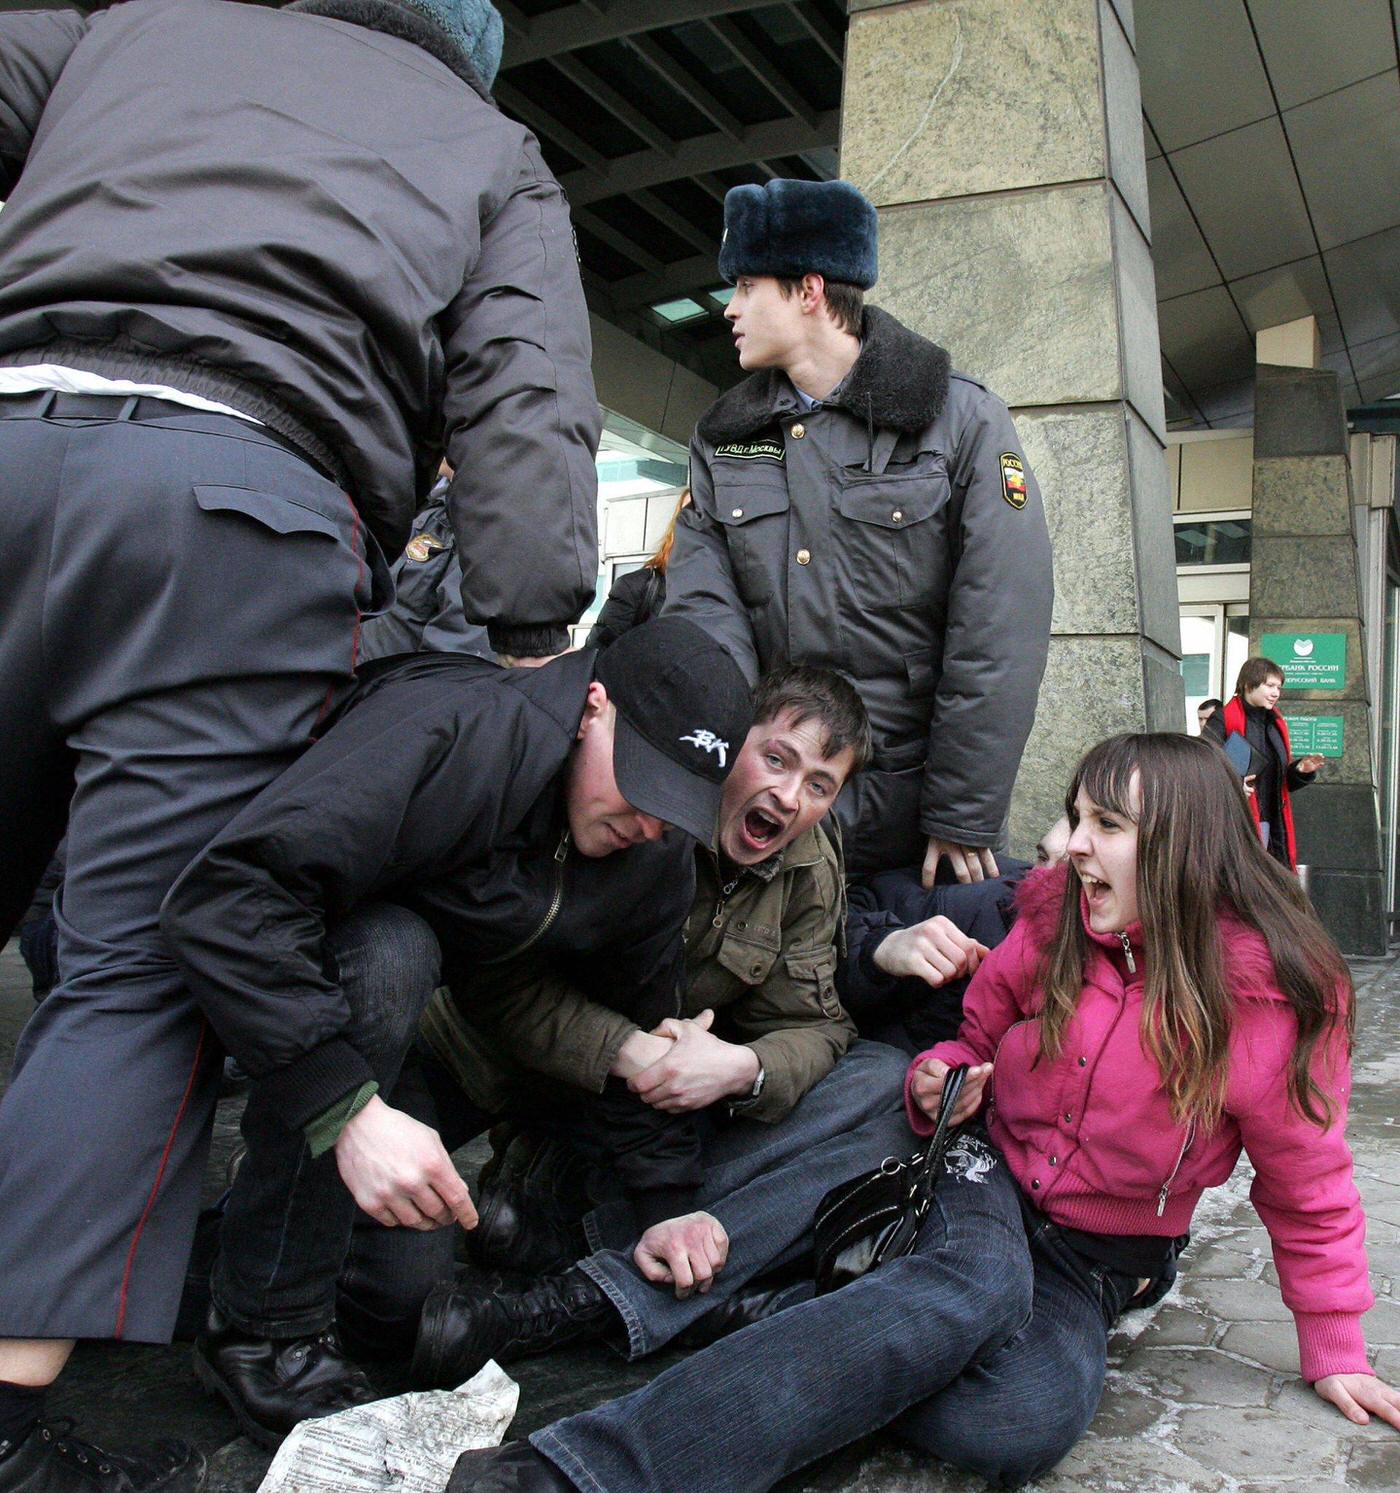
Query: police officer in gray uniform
(861, 505)
(260, 270)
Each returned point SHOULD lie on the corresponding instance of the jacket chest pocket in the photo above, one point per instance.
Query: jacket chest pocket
(754, 515)
(746, 959)
(894, 534)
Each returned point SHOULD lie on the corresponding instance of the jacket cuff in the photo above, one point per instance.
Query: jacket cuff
(959, 834)
(541, 641)
(657, 1204)
(323, 1132)
(919, 1122)
(1330, 1343)
(309, 1085)
(875, 981)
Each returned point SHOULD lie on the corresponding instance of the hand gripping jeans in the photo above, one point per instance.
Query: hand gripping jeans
(944, 1343)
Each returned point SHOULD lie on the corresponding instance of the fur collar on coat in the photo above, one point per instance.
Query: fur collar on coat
(899, 382)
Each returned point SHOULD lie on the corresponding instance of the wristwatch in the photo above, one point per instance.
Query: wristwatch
(753, 1095)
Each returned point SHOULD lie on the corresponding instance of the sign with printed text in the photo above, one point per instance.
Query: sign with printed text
(1309, 660)
(1322, 734)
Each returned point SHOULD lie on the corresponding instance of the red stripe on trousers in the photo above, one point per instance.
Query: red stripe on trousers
(160, 1177)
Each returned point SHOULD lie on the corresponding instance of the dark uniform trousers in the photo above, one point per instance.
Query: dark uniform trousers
(180, 607)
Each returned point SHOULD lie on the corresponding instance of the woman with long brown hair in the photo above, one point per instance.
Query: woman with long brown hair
(1165, 1001)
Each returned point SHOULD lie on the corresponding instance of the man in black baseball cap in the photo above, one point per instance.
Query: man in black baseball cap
(523, 816)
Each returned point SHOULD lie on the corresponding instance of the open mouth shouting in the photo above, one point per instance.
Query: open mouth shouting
(759, 829)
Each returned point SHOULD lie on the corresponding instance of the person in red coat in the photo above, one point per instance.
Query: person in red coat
(1252, 713)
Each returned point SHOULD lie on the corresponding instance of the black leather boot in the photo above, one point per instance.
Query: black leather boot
(755, 1302)
(516, 1231)
(50, 1459)
(272, 1384)
(515, 1467)
(465, 1325)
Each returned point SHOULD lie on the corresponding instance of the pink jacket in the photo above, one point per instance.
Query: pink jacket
(1091, 1139)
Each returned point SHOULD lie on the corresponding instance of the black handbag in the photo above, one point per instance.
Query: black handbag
(877, 1216)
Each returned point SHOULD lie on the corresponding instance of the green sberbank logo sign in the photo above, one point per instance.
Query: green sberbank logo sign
(1309, 660)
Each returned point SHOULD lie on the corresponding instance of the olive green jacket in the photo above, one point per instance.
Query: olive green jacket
(763, 957)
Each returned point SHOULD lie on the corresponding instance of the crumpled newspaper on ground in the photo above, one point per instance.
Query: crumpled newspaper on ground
(408, 1444)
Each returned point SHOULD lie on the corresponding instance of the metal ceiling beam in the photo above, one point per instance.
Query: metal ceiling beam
(544, 123)
(680, 278)
(579, 26)
(608, 96)
(688, 87)
(747, 56)
(680, 225)
(599, 227)
(704, 153)
(827, 37)
(516, 20)
(707, 181)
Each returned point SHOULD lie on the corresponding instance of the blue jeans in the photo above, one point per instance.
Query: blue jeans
(985, 1347)
(762, 1181)
(287, 1225)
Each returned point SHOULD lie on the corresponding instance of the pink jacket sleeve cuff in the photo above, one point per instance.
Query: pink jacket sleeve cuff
(1330, 1343)
(952, 1053)
(919, 1122)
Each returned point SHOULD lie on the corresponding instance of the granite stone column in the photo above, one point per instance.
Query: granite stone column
(1304, 580)
(1001, 141)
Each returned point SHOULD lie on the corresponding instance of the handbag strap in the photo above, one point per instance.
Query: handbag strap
(923, 1182)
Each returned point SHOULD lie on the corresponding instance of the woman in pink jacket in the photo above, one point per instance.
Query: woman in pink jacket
(1162, 1003)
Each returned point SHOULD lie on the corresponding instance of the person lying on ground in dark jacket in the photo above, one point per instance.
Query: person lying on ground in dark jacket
(426, 616)
(899, 978)
(762, 1055)
(522, 814)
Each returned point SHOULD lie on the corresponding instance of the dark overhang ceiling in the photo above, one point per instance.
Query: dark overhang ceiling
(1272, 131)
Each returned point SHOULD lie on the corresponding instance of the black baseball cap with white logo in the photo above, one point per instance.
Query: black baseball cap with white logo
(683, 711)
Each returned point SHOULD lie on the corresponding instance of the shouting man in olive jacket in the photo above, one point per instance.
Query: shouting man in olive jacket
(859, 504)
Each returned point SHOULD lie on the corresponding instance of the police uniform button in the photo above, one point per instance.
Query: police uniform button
(898, 515)
(798, 431)
(803, 556)
(736, 513)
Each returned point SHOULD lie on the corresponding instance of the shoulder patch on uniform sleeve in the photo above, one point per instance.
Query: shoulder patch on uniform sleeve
(768, 450)
(421, 546)
(1013, 479)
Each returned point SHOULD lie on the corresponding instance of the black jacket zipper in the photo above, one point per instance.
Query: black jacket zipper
(561, 854)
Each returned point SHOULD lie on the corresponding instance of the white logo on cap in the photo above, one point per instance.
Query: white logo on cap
(707, 741)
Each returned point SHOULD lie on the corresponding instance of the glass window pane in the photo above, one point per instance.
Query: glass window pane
(1219, 541)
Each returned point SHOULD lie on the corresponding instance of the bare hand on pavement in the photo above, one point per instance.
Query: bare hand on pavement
(1360, 1396)
(398, 1171)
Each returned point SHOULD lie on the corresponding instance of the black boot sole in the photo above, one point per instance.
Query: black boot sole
(210, 1382)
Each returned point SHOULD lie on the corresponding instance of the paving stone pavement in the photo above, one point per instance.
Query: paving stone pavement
(1203, 1394)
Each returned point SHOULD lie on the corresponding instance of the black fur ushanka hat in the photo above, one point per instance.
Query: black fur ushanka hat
(789, 228)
